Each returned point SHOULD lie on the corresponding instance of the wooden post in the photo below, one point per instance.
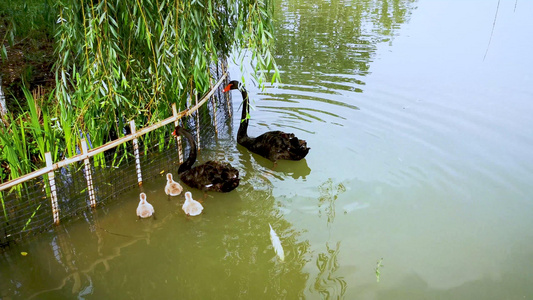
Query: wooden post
(53, 193)
(197, 121)
(88, 174)
(136, 153)
(213, 102)
(3, 106)
(178, 137)
(227, 95)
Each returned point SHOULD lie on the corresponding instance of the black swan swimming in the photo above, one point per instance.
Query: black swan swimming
(274, 145)
(210, 176)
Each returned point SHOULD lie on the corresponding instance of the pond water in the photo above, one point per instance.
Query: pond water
(417, 185)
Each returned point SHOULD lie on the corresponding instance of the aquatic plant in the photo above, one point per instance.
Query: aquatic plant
(378, 266)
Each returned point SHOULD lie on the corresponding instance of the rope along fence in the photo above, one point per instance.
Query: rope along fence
(62, 190)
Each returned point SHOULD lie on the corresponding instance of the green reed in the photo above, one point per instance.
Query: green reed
(4, 207)
(14, 147)
(31, 217)
(25, 138)
(41, 131)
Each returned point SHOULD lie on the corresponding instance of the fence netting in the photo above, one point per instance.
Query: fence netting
(27, 208)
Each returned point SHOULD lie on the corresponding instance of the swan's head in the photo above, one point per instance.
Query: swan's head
(143, 197)
(169, 177)
(188, 196)
(177, 130)
(233, 85)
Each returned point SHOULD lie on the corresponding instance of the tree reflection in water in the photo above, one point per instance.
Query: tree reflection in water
(326, 283)
(329, 192)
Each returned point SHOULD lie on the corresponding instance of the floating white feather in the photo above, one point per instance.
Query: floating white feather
(276, 243)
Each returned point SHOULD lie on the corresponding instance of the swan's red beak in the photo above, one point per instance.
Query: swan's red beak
(174, 133)
(227, 88)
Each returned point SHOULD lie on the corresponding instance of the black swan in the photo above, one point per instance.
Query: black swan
(210, 176)
(274, 145)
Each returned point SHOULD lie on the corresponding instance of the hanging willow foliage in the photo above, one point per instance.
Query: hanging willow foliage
(131, 59)
(118, 60)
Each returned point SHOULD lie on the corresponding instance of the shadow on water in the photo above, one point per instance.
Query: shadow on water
(283, 169)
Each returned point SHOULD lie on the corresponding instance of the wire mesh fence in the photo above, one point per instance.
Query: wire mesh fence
(25, 207)
(29, 208)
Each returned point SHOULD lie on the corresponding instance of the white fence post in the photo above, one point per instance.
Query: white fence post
(136, 153)
(227, 95)
(53, 193)
(3, 107)
(88, 174)
(178, 137)
(197, 121)
(214, 110)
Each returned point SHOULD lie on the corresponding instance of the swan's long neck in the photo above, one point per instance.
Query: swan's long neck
(243, 127)
(187, 164)
(188, 197)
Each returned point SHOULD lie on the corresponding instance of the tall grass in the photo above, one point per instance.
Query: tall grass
(26, 19)
(24, 139)
(22, 142)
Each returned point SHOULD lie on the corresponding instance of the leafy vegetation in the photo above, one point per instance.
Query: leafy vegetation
(117, 60)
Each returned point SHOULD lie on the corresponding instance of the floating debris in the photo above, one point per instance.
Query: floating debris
(276, 243)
